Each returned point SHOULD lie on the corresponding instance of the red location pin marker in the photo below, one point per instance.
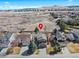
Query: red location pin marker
(40, 26)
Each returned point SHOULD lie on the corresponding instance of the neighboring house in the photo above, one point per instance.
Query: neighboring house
(41, 36)
(75, 33)
(69, 36)
(60, 36)
(4, 39)
(40, 40)
(72, 14)
(23, 38)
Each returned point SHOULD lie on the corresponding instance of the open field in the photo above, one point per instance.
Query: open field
(11, 21)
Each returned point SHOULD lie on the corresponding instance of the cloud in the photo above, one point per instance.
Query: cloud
(6, 7)
(70, 2)
(6, 2)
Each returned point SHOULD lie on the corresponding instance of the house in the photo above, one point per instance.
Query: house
(75, 33)
(69, 36)
(60, 36)
(4, 39)
(72, 14)
(22, 39)
(40, 40)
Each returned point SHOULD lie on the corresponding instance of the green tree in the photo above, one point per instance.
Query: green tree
(36, 30)
(32, 46)
(63, 25)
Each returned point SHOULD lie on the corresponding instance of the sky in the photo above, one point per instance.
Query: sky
(19, 4)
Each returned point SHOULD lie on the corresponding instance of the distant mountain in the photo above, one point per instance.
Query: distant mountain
(53, 8)
(73, 6)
